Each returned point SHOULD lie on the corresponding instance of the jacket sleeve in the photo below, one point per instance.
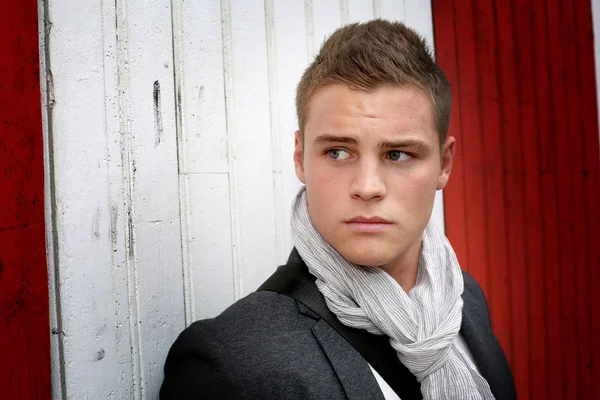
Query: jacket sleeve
(198, 366)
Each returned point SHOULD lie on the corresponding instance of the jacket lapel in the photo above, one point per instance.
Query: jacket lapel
(351, 368)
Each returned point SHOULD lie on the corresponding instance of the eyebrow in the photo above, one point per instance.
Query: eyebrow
(329, 138)
(413, 143)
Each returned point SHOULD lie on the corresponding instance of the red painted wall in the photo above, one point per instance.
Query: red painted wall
(522, 204)
(24, 322)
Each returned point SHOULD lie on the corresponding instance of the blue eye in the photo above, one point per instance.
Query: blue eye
(338, 154)
(397, 155)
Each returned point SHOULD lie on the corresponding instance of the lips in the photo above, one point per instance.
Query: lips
(369, 224)
(368, 220)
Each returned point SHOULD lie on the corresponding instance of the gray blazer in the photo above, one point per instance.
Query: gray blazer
(270, 346)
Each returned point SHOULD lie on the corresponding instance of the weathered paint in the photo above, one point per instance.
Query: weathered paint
(170, 143)
(24, 319)
(521, 207)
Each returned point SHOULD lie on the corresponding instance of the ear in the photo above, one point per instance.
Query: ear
(299, 156)
(447, 157)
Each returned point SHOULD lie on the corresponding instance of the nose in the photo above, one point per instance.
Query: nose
(368, 183)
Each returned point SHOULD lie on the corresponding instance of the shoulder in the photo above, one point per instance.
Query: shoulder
(255, 346)
(244, 326)
(472, 288)
(247, 324)
(474, 297)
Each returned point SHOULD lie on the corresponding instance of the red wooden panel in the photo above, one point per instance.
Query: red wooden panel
(472, 159)
(576, 318)
(535, 291)
(492, 146)
(591, 177)
(24, 322)
(514, 174)
(530, 189)
(548, 227)
(560, 110)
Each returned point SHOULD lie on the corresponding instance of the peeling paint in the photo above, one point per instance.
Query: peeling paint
(99, 355)
(158, 124)
(114, 216)
(96, 224)
(130, 236)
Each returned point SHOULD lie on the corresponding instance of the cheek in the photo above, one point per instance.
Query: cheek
(321, 175)
(415, 187)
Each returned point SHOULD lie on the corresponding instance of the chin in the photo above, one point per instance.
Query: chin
(369, 256)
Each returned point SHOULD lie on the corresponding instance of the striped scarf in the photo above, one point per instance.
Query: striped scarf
(422, 325)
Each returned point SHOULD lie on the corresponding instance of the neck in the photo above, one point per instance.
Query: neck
(405, 267)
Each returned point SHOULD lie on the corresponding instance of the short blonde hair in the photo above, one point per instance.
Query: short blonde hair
(366, 56)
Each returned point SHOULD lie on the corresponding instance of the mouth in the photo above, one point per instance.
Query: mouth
(369, 224)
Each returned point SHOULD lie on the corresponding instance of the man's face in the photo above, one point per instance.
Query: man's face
(371, 163)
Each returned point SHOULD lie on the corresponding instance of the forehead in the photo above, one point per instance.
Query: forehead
(385, 110)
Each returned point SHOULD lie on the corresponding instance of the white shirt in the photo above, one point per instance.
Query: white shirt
(387, 391)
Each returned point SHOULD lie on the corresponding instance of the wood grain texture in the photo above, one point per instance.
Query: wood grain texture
(524, 77)
(24, 311)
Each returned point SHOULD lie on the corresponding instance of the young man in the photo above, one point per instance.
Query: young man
(372, 303)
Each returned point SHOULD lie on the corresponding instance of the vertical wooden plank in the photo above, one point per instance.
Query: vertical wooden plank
(549, 227)
(228, 80)
(536, 312)
(446, 56)
(575, 281)
(513, 156)
(495, 185)
(586, 28)
(392, 10)
(344, 12)
(210, 243)
(57, 378)
(472, 147)
(326, 19)
(287, 51)
(417, 15)
(560, 109)
(84, 217)
(359, 10)
(158, 314)
(376, 8)
(203, 158)
(200, 49)
(276, 146)
(249, 129)
(114, 67)
(25, 333)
